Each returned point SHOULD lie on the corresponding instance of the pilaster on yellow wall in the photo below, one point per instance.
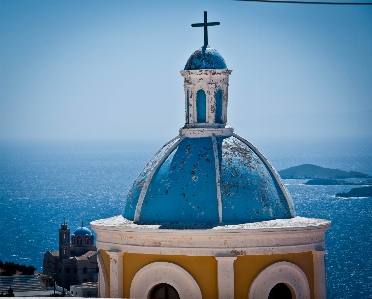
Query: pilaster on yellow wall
(106, 261)
(202, 268)
(247, 267)
(116, 273)
(319, 274)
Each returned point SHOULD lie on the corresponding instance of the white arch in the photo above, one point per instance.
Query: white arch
(281, 272)
(162, 272)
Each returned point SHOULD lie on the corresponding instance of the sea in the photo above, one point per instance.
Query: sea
(44, 182)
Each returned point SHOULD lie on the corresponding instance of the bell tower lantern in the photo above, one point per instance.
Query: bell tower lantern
(206, 85)
(64, 241)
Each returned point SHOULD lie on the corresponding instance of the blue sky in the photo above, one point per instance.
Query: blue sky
(110, 70)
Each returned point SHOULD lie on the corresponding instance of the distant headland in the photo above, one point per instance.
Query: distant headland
(338, 182)
(357, 192)
(311, 171)
(318, 175)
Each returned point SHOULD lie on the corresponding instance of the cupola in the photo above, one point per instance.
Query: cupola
(207, 174)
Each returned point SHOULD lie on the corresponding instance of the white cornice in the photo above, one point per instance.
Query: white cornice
(119, 223)
(199, 132)
(266, 237)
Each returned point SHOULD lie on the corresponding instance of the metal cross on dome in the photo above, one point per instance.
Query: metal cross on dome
(205, 25)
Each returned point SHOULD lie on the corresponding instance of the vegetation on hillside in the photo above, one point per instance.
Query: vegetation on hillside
(9, 293)
(10, 268)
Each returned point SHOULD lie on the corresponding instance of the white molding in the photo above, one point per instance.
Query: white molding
(281, 272)
(103, 284)
(271, 170)
(150, 175)
(116, 274)
(225, 275)
(279, 236)
(319, 274)
(202, 251)
(205, 73)
(162, 272)
(277, 226)
(199, 245)
(200, 132)
(217, 168)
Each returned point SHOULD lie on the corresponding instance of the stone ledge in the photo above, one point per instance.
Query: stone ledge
(301, 223)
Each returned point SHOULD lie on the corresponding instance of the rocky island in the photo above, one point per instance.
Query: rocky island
(337, 182)
(357, 192)
(311, 171)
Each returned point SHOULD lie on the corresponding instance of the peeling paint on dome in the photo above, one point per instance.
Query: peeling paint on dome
(205, 58)
(249, 192)
(186, 183)
(183, 188)
(135, 191)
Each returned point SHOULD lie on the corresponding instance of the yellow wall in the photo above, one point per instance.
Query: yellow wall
(247, 267)
(106, 261)
(202, 268)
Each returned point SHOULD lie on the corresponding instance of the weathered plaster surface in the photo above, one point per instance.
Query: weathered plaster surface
(266, 237)
(292, 223)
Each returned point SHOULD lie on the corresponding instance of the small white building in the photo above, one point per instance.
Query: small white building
(86, 290)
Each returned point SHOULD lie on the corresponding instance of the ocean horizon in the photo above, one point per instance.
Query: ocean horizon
(44, 182)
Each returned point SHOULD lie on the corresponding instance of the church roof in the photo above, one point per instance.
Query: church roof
(82, 231)
(208, 180)
(86, 255)
(205, 58)
(54, 253)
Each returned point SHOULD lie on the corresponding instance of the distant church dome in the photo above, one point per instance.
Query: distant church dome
(82, 231)
(205, 58)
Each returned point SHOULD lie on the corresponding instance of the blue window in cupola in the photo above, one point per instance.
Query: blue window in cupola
(218, 117)
(201, 106)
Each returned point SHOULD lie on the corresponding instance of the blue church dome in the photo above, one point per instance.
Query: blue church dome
(208, 180)
(205, 58)
(82, 231)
